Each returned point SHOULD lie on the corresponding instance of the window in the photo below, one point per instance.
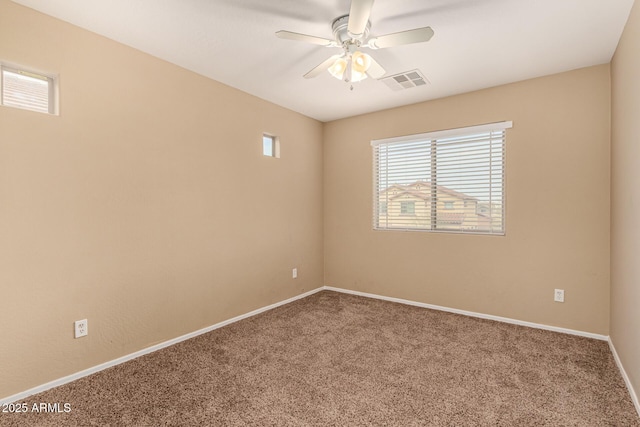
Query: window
(461, 168)
(382, 208)
(270, 145)
(27, 90)
(407, 208)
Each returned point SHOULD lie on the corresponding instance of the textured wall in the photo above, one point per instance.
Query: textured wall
(625, 198)
(557, 207)
(146, 206)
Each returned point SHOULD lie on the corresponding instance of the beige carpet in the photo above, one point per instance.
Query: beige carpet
(334, 359)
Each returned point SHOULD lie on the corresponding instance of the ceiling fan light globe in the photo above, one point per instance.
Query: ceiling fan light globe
(361, 62)
(338, 68)
(357, 76)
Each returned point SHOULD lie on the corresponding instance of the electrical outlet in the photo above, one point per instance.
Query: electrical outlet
(294, 273)
(81, 328)
(558, 295)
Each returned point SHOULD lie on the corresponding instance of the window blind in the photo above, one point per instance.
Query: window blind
(445, 181)
(27, 90)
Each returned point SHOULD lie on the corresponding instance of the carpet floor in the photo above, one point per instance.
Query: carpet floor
(336, 359)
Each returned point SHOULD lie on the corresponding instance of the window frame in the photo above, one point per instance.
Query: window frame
(52, 87)
(430, 143)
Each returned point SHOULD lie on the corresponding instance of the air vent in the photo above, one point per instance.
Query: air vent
(406, 80)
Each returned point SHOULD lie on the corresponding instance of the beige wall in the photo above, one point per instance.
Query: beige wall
(557, 207)
(625, 199)
(146, 206)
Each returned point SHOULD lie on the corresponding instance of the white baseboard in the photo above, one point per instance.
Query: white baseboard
(98, 368)
(627, 381)
(472, 314)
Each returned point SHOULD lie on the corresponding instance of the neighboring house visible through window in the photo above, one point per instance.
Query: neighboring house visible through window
(451, 181)
(27, 90)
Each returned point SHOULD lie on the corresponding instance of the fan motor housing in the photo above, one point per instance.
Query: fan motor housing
(341, 33)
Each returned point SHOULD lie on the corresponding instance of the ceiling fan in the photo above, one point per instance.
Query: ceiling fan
(351, 33)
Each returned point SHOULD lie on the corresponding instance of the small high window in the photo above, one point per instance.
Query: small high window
(270, 145)
(27, 90)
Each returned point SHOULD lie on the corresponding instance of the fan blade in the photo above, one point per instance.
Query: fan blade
(322, 67)
(359, 16)
(375, 70)
(404, 37)
(305, 38)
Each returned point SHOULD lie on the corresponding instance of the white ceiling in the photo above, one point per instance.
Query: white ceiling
(477, 43)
